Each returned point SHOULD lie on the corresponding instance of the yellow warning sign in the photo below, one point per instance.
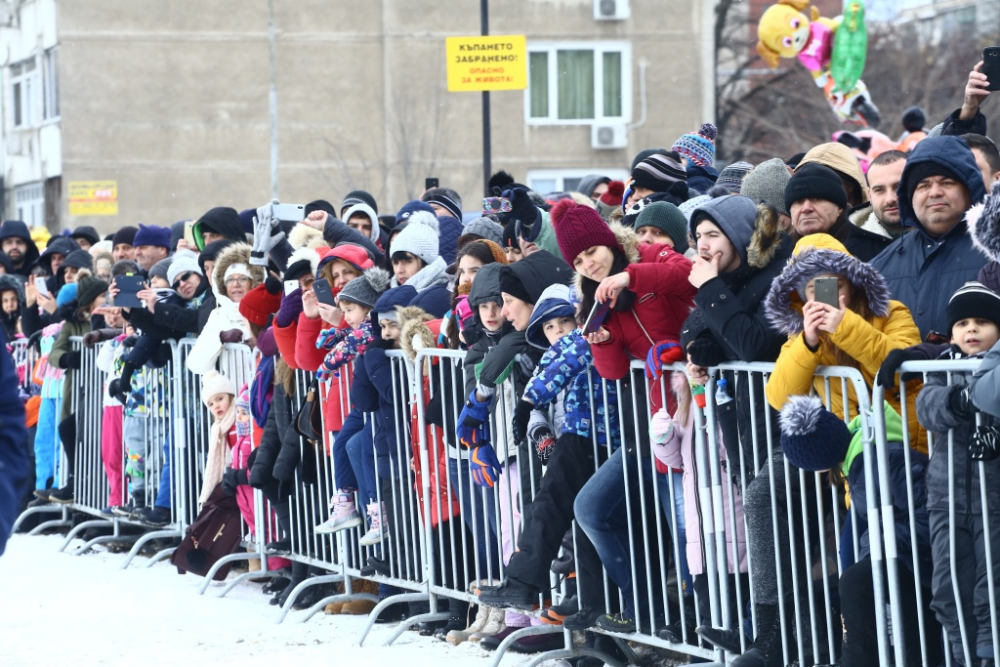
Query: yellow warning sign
(487, 63)
(93, 197)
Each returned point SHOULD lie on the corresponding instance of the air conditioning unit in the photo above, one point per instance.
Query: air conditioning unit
(608, 136)
(611, 10)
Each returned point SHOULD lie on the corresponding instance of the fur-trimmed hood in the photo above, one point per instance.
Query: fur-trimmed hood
(864, 217)
(235, 254)
(628, 242)
(304, 236)
(819, 254)
(414, 334)
(984, 224)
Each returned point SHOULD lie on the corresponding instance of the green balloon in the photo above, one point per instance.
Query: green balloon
(850, 47)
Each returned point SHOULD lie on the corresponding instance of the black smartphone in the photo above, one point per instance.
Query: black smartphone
(596, 318)
(430, 183)
(128, 286)
(826, 291)
(991, 67)
(324, 293)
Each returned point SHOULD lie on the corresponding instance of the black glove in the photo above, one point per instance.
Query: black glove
(231, 336)
(92, 338)
(34, 339)
(273, 285)
(522, 413)
(130, 341)
(887, 373)
(233, 478)
(523, 213)
(258, 476)
(70, 360)
(118, 391)
(705, 352)
(985, 445)
(960, 403)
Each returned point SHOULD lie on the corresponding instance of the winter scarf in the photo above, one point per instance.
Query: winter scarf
(218, 453)
(430, 276)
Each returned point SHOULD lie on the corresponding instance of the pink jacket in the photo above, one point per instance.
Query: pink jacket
(677, 451)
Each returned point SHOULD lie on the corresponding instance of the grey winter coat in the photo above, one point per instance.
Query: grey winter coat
(936, 416)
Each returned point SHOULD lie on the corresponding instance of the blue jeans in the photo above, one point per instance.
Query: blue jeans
(361, 452)
(601, 511)
(477, 508)
(343, 471)
(163, 492)
(676, 506)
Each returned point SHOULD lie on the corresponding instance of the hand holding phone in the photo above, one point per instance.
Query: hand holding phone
(41, 287)
(288, 212)
(991, 67)
(827, 290)
(430, 183)
(324, 293)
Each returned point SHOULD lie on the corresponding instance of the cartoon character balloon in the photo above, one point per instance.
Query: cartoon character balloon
(833, 50)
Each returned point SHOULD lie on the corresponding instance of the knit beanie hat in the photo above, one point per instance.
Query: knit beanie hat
(214, 383)
(67, 293)
(659, 171)
(511, 284)
(812, 438)
(182, 264)
(578, 228)
(765, 184)
(152, 235)
(88, 289)
(161, 269)
(486, 228)
(124, 235)
(357, 197)
(258, 305)
(731, 178)
(509, 239)
(667, 218)
(973, 299)
(498, 254)
(700, 147)
(441, 199)
(816, 181)
(926, 169)
(319, 205)
(243, 399)
(411, 207)
(420, 238)
(366, 289)
(688, 207)
(613, 195)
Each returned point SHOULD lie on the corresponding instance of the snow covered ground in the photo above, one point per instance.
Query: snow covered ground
(60, 609)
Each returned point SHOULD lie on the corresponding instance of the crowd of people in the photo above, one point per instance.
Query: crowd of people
(802, 262)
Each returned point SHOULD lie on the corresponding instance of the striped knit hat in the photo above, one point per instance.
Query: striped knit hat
(973, 299)
(699, 148)
(731, 177)
(659, 171)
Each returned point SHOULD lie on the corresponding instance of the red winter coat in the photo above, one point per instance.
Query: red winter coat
(663, 299)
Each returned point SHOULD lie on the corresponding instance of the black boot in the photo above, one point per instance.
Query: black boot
(458, 619)
(766, 650)
(299, 572)
(510, 593)
(727, 640)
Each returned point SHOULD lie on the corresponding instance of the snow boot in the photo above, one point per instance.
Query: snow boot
(343, 513)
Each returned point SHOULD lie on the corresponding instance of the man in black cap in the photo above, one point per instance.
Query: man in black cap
(16, 243)
(85, 236)
(221, 222)
(816, 199)
(123, 244)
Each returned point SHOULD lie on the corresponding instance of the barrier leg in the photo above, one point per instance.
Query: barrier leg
(161, 555)
(141, 542)
(103, 539)
(79, 528)
(219, 564)
(57, 523)
(529, 631)
(235, 581)
(311, 581)
(340, 597)
(391, 600)
(28, 512)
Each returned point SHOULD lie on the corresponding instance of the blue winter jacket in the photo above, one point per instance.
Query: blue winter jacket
(14, 445)
(372, 392)
(568, 365)
(922, 271)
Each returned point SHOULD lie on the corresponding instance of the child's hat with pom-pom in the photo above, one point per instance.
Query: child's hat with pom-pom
(214, 383)
(578, 228)
(812, 437)
(699, 148)
(367, 288)
(420, 238)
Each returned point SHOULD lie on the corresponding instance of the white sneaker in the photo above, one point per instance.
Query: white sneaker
(377, 529)
(343, 514)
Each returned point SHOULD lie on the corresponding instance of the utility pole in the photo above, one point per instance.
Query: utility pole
(484, 23)
(272, 98)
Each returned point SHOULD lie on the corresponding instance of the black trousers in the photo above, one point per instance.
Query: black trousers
(546, 519)
(857, 607)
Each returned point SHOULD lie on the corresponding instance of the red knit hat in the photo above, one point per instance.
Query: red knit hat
(354, 255)
(578, 228)
(258, 305)
(613, 195)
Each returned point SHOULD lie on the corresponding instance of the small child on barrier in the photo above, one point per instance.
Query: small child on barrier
(815, 440)
(356, 300)
(945, 406)
(109, 361)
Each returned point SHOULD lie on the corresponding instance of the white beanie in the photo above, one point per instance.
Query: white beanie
(182, 264)
(214, 383)
(419, 238)
(236, 269)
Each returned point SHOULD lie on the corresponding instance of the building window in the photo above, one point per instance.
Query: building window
(23, 78)
(544, 181)
(29, 200)
(50, 84)
(578, 82)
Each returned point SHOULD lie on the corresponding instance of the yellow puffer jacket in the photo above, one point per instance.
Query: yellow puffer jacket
(868, 343)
